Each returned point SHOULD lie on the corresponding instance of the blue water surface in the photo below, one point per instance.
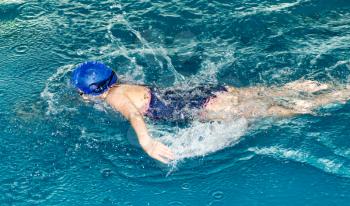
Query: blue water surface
(55, 149)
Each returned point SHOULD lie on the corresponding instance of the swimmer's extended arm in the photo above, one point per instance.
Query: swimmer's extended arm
(153, 148)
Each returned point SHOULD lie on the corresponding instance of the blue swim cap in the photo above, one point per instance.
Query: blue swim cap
(93, 78)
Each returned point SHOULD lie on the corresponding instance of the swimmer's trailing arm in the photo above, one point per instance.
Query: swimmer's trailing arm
(153, 148)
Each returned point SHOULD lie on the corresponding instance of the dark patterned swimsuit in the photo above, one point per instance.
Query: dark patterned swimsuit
(178, 104)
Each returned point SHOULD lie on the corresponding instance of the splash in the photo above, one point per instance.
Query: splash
(146, 48)
(51, 92)
(269, 8)
(11, 2)
(203, 138)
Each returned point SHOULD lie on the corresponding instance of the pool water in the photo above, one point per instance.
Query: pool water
(55, 149)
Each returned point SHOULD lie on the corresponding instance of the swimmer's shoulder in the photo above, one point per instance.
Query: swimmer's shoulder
(125, 88)
(135, 93)
(121, 94)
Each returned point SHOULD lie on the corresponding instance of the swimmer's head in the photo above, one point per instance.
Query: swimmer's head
(93, 78)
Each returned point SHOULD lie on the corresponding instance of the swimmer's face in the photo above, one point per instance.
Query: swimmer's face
(84, 96)
(87, 97)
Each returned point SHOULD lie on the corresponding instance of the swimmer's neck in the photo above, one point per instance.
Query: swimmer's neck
(104, 95)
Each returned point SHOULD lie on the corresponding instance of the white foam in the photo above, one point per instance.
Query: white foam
(202, 138)
(329, 165)
(210, 68)
(12, 1)
(325, 164)
(268, 8)
(280, 153)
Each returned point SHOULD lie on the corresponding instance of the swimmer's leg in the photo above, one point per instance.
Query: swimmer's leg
(306, 106)
(238, 102)
(280, 111)
(234, 103)
(303, 106)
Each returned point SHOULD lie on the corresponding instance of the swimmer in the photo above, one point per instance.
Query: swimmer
(135, 102)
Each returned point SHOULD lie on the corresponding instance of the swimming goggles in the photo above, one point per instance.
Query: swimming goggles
(99, 87)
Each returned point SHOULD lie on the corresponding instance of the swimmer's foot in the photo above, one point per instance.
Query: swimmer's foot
(306, 86)
(341, 96)
(306, 106)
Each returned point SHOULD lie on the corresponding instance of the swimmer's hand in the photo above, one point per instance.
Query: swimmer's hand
(158, 151)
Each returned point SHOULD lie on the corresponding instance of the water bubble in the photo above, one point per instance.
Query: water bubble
(21, 49)
(106, 172)
(218, 195)
(80, 52)
(185, 186)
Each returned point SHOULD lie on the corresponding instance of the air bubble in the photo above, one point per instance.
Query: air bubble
(106, 172)
(80, 52)
(185, 186)
(218, 195)
(21, 49)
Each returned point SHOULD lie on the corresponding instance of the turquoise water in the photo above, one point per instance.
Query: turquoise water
(57, 150)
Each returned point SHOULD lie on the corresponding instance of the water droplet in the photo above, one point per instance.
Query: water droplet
(20, 49)
(106, 172)
(185, 186)
(80, 52)
(218, 195)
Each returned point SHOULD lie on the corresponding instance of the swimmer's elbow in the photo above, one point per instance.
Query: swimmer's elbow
(134, 116)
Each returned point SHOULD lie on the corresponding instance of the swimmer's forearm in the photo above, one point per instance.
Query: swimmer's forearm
(140, 128)
(130, 112)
